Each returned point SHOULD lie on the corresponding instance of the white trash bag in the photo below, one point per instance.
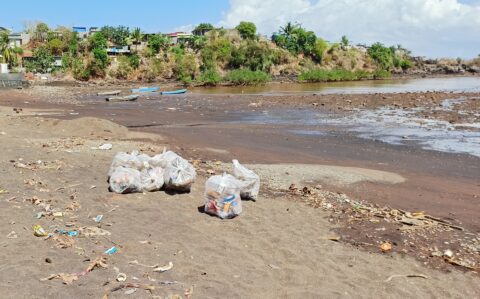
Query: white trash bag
(179, 174)
(249, 181)
(222, 194)
(126, 160)
(152, 179)
(162, 160)
(125, 180)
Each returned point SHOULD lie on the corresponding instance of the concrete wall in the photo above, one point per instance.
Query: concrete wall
(11, 80)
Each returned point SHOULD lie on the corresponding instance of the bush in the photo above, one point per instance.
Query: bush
(117, 35)
(247, 77)
(318, 51)
(55, 46)
(158, 42)
(124, 68)
(381, 74)
(154, 69)
(247, 30)
(79, 71)
(216, 50)
(321, 75)
(98, 40)
(255, 56)
(134, 61)
(209, 78)
(185, 67)
(43, 61)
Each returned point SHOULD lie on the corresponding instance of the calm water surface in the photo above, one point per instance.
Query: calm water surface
(453, 84)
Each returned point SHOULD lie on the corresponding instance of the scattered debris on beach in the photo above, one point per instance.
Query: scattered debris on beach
(388, 230)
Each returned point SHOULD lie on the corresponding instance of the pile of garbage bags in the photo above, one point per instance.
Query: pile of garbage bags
(224, 193)
(136, 172)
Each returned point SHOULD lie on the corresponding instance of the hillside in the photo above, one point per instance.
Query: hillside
(211, 56)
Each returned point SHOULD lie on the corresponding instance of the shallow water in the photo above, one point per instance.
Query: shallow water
(450, 84)
(387, 124)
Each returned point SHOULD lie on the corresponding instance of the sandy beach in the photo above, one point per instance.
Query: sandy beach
(326, 206)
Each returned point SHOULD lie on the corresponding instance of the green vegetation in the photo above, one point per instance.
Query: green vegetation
(211, 56)
(322, 75)
(202, 28)
(158, 42)
(55, 46)
(117, 35)
(43, 61)
(296, 39)
(137, 37)
(247, 30)
(389, 58)
(247, 77)
(209, 78)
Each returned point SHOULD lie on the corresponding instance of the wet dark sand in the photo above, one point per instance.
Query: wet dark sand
(442, 184)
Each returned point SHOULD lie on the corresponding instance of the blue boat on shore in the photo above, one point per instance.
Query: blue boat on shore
(178, 91)
(145, 89)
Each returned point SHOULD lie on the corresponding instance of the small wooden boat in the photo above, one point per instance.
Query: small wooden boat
(146, 89)
(132, 97)
(178, 91)
(109, 93)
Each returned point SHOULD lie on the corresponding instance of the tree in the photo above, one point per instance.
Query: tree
(344, 42)
(117, 35)
(247, 30)
(295, 39)
(97, 40)
(43, 61)
(320, 47)
(55, 46)
(382, 55)
(5, 47)
(41, 31)
(158, 42)
(137, 37)
(287, 30)
(202, 28)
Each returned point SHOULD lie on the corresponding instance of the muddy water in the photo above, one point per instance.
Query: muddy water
(451, 84)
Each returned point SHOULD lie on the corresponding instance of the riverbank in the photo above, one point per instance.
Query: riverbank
(276, 80)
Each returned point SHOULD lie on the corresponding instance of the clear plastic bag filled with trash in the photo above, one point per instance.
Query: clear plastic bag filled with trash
(152, 179)
(125, 180)
(222, 194)
(179, 173)
(150, 173)
(133, 160)
(249, 181)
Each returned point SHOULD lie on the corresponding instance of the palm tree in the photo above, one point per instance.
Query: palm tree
(288, 29)
(137, 37)
(5, 47)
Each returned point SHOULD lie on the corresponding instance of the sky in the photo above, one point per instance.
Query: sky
(432, 28)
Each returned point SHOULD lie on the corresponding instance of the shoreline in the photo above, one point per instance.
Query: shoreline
(276, 80)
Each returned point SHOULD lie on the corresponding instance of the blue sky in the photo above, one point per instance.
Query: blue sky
(150, 15)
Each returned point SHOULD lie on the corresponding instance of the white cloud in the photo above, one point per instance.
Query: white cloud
(432, 28)
(184, 28)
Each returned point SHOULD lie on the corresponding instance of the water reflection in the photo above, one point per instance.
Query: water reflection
(450, 84)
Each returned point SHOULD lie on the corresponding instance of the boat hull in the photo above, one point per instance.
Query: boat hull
(179, 91)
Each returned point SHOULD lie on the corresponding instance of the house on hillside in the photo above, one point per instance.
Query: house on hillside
(179, 37)
(116, 50)
(18, 39)
(81, 31)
